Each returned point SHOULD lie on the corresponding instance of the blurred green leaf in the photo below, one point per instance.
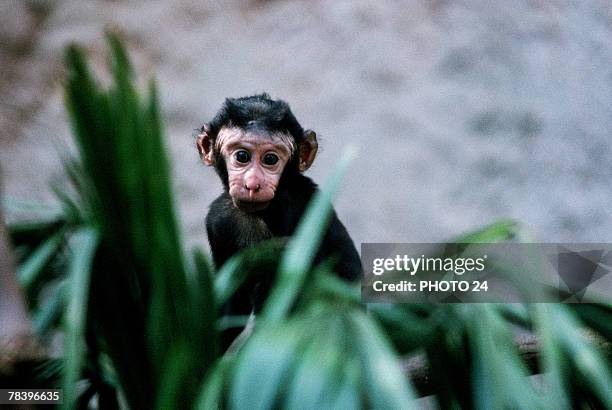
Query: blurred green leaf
(204, 330)
(303, 246)
(386, 385)
(499, 231)
(48, 313)
(142, 293)
(597, 316)
(503, 382)
(316, 376)
(42, 210)
(570, 358)
(211, 395)
(30, 269)
(403, 326)
(250, 262)
(30, 234)
(173, 383)
(83, 244)
(266, 358)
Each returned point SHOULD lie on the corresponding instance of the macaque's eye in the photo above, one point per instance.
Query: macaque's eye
(242, 156)
(270, 159)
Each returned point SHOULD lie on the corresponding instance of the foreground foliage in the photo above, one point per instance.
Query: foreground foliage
(141, 318)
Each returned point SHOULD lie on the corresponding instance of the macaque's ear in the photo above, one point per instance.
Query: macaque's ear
(308, 150)
(205, 147)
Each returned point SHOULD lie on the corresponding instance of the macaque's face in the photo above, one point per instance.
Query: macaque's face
(255, 161)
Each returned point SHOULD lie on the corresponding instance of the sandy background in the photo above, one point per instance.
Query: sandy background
(463, 111)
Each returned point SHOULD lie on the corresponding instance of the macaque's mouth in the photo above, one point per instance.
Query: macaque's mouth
(251, 206)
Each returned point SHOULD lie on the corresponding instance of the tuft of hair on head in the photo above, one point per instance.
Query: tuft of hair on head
(257, 111)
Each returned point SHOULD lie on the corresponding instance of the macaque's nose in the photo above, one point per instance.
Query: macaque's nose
(253, 181)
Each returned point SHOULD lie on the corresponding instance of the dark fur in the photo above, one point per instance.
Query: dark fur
(230, 230)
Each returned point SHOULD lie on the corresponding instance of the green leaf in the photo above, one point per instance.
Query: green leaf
(554, 362)
(263, 365)
(42, 210)
(31, 233)
(386, 383)
(499, 377)
(173, 384)
(496, 232)
(598, 317)
(44, 319)
(571, 357)
(29, 271)
(404, 328)
(211, 393)
(84, 243)
(316, 381)
(347, 392)
(303, 246)
(252, 261)
(205, 334)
